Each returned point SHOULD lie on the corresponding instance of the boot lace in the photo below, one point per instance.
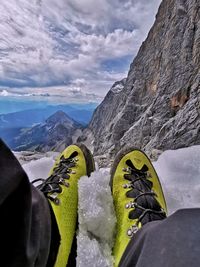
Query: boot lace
(144, 207)
(51, 186)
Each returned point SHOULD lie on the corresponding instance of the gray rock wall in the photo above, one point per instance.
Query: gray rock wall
(157, 106)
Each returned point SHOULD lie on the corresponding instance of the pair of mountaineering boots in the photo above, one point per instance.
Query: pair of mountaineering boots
(136, 190)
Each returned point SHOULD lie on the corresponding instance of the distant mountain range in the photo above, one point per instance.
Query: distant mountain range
(12, 105)
(12, 124)
(53, 135)
(25, 118)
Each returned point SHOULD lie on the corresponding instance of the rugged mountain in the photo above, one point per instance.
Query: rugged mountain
(55, 134)
(158, 105)
(12, 123)
(26, 118)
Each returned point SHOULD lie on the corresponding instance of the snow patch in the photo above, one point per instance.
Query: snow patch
(179, 172)
(96, 221)
(117, 88)
(90, 252)
(40, 168)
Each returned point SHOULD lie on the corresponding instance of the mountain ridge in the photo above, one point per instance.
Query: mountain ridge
(12, 123)
(158, 107)
(53, 135)
(40, 114)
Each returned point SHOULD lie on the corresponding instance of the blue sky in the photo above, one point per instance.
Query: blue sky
(69, 49)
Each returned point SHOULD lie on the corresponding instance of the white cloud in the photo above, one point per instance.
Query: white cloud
(5, 93)
(118, 43)
(51, 42)
(58, 94)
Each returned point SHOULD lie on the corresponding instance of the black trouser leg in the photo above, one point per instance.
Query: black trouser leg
(172, 242)
(25, 218)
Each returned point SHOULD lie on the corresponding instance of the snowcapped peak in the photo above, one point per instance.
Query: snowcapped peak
(118, 86)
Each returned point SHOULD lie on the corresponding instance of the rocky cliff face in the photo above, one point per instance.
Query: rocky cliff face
(55, 134)
(158, 105)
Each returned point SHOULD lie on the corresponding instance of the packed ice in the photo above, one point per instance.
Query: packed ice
(179, 172)
(96, 221)
(38, 167)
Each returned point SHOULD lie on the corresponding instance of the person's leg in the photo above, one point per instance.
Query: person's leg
(25, 220)
(137, 195)
(37, 227)
(174, 241)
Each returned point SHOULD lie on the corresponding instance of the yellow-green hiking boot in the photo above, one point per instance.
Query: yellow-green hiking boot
(61, 189)
(137, 194)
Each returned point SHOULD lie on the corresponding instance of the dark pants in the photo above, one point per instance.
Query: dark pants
(172, 242)
(26, 221)
(29, 235)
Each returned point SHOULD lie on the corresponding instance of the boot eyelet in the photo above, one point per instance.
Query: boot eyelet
(128, 169)
(149, 175)
(133, 205)
(129, 233)
(66, 184)
(53, 197)
(135, 229)
(57, 201)
(128, 206)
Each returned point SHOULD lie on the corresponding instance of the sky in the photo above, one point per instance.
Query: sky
(69, 49)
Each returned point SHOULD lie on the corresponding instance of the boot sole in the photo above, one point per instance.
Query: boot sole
(88, 158)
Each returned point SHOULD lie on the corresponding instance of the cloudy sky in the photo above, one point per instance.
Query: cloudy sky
(69, 47)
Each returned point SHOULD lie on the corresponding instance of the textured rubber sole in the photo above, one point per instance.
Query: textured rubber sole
(90, 164)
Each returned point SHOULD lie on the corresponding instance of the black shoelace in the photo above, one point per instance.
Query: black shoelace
(51, 186)
(145, 207)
